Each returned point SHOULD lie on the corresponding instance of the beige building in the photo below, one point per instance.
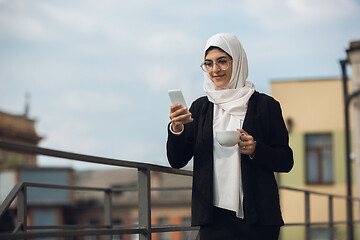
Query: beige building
(18, 128)
(313, 110)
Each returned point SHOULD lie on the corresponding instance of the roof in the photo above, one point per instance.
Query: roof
(18, 128)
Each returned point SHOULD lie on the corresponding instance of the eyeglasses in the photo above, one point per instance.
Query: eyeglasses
(222, 63)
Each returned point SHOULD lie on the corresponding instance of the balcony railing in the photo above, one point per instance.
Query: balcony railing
(144, 228)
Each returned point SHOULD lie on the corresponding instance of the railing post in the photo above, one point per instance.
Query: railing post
(107, 211)
(22, 209)
(144, 202)
(331, 218)
(307, 216)
(349, 206)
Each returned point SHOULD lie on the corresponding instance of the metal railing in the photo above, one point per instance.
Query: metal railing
(144, 227)
(330, 223)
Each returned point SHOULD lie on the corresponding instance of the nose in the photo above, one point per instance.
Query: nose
(216, 68)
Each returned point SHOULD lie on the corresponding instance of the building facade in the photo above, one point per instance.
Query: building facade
(313, 110)
(21, 129)
(169, 207)
(44, 206)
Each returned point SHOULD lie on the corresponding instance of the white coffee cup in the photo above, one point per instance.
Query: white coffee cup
(228, 138)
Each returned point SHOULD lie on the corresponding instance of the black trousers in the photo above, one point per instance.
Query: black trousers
(227, 226)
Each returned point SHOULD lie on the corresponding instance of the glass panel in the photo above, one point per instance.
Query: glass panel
(320, 233)
(135, 236)
(318, 140)
(327, 166)
(45, 217)
(313, 167)
(164, 235)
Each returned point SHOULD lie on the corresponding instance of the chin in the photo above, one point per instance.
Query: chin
(220, 85)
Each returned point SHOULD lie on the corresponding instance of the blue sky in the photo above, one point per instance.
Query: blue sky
(98, 71)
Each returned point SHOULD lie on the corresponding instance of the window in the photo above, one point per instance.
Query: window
(116, 223)
(163, 221)
(319, 159)
(135, 236)
(321, 233)
(92, 221)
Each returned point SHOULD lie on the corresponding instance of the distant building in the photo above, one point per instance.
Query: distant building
(17, 128)
(313, 110)
(170, 207)
(44, 206)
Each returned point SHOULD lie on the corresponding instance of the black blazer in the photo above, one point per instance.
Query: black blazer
(265, 123)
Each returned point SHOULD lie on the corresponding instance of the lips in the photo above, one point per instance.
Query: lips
(217, 77)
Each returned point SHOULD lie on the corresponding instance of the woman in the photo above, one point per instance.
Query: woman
(235, 194)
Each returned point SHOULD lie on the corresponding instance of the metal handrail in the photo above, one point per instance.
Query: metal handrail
(144, 228)
(318, 193)
(10, 198)
(308, 223)
(27, 148)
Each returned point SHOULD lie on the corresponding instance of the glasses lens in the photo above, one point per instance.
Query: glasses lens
(206, 66)
(223, 64)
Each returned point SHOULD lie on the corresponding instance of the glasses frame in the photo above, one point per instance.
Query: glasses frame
(217, 64)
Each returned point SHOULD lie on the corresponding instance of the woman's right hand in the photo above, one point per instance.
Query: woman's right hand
(178, 119)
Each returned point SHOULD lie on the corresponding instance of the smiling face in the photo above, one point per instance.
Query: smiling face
(220, 78)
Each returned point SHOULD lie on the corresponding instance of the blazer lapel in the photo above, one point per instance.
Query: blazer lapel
(249, 121)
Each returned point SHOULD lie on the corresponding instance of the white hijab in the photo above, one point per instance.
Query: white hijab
(235, 97)
(230, 105)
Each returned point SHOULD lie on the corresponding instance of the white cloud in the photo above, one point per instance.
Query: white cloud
(170, 43)
(23, 20)
(75, 20)
(24, 27)
(92, 102)
(70, 134)
(160, 76)
(323, 10)
(144, 151)
(280, 14)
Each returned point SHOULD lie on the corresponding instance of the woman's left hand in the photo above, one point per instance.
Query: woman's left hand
(247, 144)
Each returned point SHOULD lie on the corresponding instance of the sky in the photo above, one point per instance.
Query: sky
(98, 72)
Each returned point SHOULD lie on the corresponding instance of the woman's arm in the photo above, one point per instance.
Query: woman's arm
(180, 146)
(274, 152)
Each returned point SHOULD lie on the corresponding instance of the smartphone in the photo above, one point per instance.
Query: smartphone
(176, 96)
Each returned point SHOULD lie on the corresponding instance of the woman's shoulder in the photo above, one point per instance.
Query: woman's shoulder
(201, 103)
(201, 100)
(262, 98)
